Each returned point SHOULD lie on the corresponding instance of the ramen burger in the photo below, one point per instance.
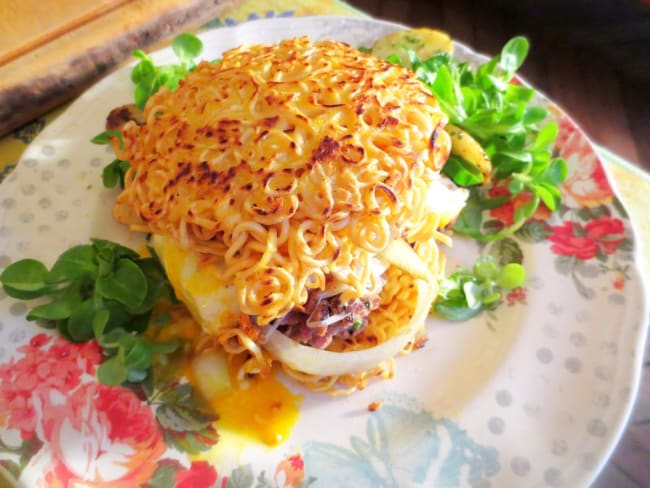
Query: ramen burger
(294, 196)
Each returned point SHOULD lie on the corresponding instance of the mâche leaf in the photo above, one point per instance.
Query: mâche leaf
(62, 308)
(105, 137)
(76, 262)
(466, 293)
(513, 54)
(461, 172)
(25, 279)
(499, 113)
(101, 290)
(149, 78)
(80, 324)
(113, 371)
(127, 284)
(187, 47)
(114, 173)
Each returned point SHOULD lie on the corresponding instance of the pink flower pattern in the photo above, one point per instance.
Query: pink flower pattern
(48, 363)
(601, 235)
(587, 182)
(290, 472)
(200, 474)
(51, 392)
(91, 434)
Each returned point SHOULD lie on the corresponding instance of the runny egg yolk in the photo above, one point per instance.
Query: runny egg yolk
(257, 409)
(265, 411)
(261, 409)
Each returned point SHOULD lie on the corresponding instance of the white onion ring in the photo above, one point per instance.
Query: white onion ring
(332, 319)
(329, 363)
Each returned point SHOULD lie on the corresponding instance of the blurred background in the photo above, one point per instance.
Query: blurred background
(592, 57)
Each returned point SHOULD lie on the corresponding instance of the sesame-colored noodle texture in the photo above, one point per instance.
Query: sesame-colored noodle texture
(304, 180)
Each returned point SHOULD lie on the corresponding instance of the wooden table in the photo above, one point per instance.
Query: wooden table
(51, 51)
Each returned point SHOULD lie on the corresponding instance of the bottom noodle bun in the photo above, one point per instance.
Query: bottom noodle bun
(404, 303)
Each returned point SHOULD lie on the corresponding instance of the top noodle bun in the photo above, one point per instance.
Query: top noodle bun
(289, 165)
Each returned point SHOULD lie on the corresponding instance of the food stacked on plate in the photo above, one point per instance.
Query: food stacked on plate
(296, 202)
(297, 196)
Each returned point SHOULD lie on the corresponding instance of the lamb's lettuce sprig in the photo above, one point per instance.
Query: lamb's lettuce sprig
(148, 77)
(468, 292)
(515, 133)
(101, 291)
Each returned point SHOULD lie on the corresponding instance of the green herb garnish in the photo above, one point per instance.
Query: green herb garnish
(499, 115)
(115, 171)
(101, 290)
(466, 293)
(462, 172)
(105, 137)
(149, 78)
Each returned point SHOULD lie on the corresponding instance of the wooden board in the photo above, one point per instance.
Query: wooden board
(28, 24)
(52, 50)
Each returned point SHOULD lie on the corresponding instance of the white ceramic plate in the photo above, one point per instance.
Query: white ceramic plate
(536, 395)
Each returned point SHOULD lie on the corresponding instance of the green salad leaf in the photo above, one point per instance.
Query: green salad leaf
(149, 77)
(105, 137)
(468, 292)
(499, 113)
(102, 291)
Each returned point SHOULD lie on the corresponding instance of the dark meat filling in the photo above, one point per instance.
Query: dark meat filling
(325, 317)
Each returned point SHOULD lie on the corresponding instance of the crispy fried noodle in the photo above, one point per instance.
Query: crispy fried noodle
(294, 195)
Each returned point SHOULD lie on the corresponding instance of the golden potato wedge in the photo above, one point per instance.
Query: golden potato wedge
(424, 41)
(465, 146)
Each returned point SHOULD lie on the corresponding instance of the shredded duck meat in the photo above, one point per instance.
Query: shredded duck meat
(325, 317)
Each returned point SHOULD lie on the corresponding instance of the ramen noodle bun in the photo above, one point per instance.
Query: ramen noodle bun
(295, 197)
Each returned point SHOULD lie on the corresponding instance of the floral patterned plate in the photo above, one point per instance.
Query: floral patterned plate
(534, 395)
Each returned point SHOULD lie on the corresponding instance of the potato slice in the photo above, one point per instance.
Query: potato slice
(210, 371)
(425, 42)
(465, 146)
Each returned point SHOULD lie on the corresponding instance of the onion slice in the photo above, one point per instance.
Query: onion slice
(399, 253)
(330, 363)
(332, 319)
